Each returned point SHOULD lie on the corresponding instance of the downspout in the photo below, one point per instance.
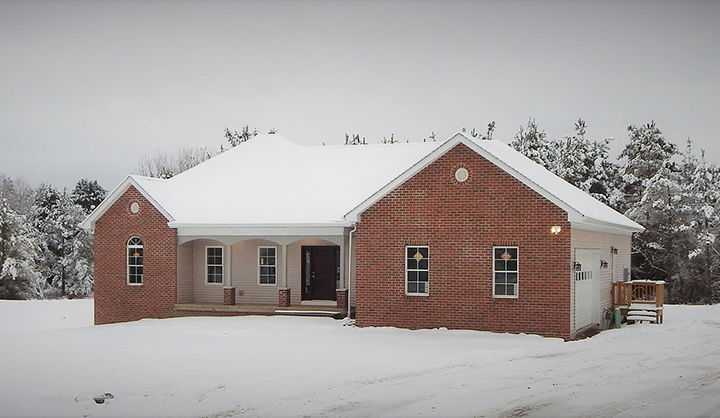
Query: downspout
(350, 254)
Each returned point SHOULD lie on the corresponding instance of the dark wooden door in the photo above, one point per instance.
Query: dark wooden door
(320, 269)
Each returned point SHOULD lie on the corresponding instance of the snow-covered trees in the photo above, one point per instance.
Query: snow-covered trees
(43, 250)
(19, 278)
(88, 195)
(164, 165)
(678, 202)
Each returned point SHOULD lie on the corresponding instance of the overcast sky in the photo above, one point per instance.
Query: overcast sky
(87, 89)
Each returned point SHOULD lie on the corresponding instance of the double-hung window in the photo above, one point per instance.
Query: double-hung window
(417, 270)
(214, 264)
(135, 261)
(505, 272)
(267, 265)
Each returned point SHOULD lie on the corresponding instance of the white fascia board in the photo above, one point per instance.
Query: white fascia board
(310, 230)
(593, 225)
(89, 222)
(354, 215)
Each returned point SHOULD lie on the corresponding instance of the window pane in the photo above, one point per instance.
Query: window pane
(412, 287)
(500, 265)
(411, 251)
(424, 251)
(500, 277)
(422, 287)
(513, 253)
(511, 278)
(500, 289)
(423, 264)
(510, 289)
(423, 276)
(498, 253)
(412, 276)
(512, 265)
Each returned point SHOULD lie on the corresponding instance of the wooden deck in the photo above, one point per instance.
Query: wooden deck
(640, 300)
(200, 309)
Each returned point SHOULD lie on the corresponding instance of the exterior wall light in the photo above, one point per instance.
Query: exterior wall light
(555, 229)
(603, 264)
(613, 250)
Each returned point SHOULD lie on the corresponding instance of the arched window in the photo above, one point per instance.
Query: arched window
(135, 261)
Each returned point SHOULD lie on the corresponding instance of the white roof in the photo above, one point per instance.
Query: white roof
(271, 181)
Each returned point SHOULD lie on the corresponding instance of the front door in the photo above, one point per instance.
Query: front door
(320, 272)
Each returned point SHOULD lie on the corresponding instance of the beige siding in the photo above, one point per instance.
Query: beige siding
(185, 273)
(616, 263)
(204, 292)
(192, 286)
(245, 272)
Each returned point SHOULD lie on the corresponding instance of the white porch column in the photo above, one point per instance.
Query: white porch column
(285, 266)
(228, 266)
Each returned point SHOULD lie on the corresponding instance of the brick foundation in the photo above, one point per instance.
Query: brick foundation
(461, 222)
(341, 298)
(284, 297)
(228, 296)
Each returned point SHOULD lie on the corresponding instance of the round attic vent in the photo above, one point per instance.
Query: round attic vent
(134, 207)
(461, 174)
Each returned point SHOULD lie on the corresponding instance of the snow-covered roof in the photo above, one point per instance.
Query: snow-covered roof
(270, 181)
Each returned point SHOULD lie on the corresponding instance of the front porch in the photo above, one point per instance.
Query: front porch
(271, 274)
(208, 309)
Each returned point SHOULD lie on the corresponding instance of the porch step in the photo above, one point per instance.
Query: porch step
(649, 315)
(330, 314)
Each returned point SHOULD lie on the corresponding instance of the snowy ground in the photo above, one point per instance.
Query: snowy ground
(53, 362)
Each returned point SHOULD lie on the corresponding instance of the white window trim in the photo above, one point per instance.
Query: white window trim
(406, 271)
(517, 285)
(275, 265)
(127, 261)
(222, 258)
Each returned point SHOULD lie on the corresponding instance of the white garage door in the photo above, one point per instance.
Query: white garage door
(587, 287)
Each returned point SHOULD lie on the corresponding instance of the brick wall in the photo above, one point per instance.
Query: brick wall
(461, 222)
(115, 300)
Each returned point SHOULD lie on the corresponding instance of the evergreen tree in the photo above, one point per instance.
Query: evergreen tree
(533, 143)
(19, 278)
(646, 153)
(88, 195)
(235, 138)
(65, 256)
(700, 258)
(586, 165)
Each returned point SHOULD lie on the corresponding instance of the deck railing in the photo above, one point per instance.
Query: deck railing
(647, 292)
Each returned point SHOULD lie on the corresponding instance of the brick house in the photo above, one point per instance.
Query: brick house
(466, 233)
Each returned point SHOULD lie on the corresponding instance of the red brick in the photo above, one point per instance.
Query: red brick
(115, 300)
(461, 222)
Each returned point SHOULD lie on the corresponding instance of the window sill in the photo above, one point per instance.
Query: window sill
(417, 294)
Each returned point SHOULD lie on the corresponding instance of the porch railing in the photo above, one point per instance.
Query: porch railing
(639, 300)
(646, 292)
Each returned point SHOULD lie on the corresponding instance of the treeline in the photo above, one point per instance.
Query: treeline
(43, 251)
(672, 193)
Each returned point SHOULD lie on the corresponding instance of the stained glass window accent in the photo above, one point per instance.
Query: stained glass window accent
(417, 270)
(505, 272)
